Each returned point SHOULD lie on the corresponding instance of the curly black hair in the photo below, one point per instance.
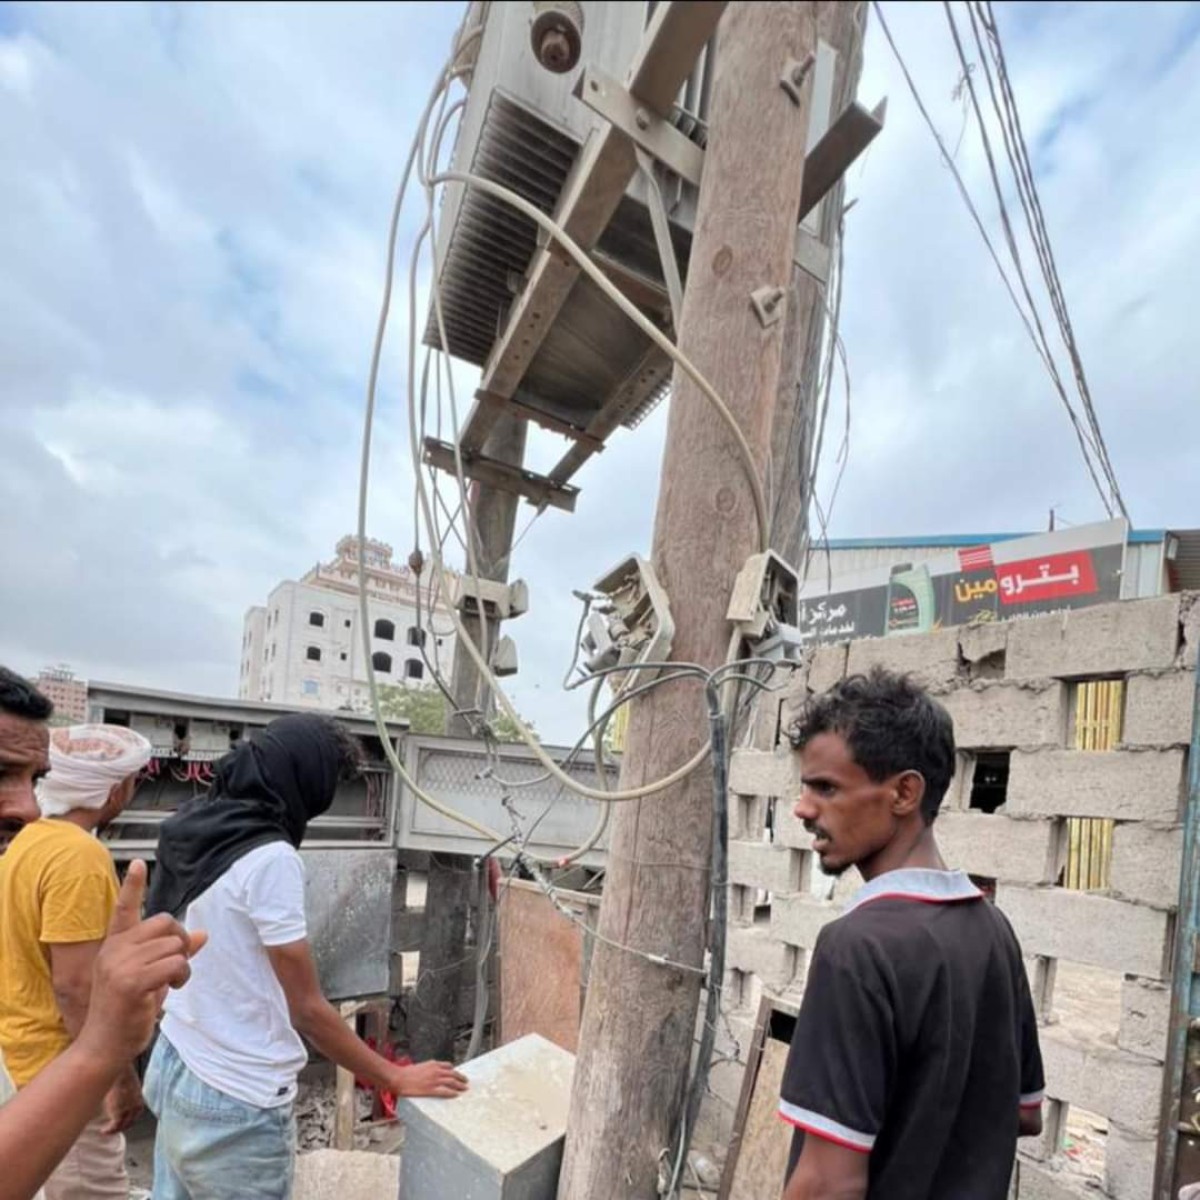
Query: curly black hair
(891, 725)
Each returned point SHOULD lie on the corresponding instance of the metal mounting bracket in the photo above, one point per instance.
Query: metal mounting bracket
(853, 131)
(661, 224)
(812, 256)
(794, 74)
(638, 122)
(537, 489)
(767, 302)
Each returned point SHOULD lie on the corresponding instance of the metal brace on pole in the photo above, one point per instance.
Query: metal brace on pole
(645, 128)
(662, 234)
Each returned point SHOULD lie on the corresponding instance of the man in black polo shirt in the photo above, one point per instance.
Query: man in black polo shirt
(915, 1064)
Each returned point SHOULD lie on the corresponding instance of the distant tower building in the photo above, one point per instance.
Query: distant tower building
(304, 647)
(68, 694)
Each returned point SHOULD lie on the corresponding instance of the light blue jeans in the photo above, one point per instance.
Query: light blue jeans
(210, 1146)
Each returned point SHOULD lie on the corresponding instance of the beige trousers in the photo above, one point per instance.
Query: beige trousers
(93, 1169)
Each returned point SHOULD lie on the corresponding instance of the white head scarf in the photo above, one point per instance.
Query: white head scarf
(86, 763)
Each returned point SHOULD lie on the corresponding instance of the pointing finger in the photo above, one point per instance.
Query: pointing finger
(128, 911)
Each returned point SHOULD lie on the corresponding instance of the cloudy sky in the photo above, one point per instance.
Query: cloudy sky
(195, 201)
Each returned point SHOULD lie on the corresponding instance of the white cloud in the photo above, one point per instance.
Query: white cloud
(196, 203)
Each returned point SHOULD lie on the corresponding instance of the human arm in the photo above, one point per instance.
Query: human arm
(840, 1068)
(71, 972)
(1033, 1075)
(827, 1171)
(318, 1021)
(133, 970)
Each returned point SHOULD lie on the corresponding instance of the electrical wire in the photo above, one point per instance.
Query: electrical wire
(1089, 439)
(981, 14)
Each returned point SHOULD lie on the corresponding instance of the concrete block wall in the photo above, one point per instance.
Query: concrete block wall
(1010, 687)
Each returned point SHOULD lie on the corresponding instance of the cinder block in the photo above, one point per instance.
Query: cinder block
(930, 658)
(1085, 928)
(1041, 1181)
(1145, 1018)
(761, 864)
(789, 829)
(797, 919)
(756, 952)
(1021, 851)
(748, 817)
(826, 666)
(765, 772)
(1128, 785)
(1190, 612)
(1123, 1087)
(1145, 863)
(1129, 1162)
(1132, 635)
(1159, 709)
(977, 642)
(1003, 714)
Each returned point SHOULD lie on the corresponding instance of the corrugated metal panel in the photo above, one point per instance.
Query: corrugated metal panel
(1185, 568)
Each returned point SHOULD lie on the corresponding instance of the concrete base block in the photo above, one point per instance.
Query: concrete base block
(1111, 639)
(1145, 864)
(503, 1139)
(1081, 927)
(1128, 785)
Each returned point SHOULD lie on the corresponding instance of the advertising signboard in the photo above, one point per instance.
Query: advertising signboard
(1044, 573)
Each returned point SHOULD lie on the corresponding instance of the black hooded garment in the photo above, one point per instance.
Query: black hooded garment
(267, 790)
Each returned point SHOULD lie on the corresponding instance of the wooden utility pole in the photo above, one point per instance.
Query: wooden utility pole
(435, 1006)
(640, 1019)
(841, 26)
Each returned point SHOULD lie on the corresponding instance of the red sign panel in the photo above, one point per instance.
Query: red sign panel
(1053, 577)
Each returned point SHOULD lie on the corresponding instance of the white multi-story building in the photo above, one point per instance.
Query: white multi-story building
(304, 646)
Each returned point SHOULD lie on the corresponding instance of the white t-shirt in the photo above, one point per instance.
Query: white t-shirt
(230, 1021)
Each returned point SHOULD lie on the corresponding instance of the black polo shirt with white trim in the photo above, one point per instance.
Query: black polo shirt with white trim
(917, 1041)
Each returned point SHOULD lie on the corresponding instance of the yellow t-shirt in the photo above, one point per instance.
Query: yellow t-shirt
(57, 886)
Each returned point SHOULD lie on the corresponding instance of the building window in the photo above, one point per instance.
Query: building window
(343, 656)
(272, 650)
(311, 687)
(313, 654)
(416, 637)
(317, 619)
(385, 631)
(414, 669)
(382, 662)
(347, 622)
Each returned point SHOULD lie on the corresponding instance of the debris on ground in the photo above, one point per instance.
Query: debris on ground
(316, 1109)
(346, 1175)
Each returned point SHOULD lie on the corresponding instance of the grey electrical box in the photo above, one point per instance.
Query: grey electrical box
(501, 1140)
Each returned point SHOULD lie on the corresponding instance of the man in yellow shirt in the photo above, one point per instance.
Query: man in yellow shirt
(58, 890)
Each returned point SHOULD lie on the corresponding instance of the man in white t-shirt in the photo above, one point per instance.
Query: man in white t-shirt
(222, 1077)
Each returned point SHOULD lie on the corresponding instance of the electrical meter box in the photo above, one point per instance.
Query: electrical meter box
(503, 1139)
